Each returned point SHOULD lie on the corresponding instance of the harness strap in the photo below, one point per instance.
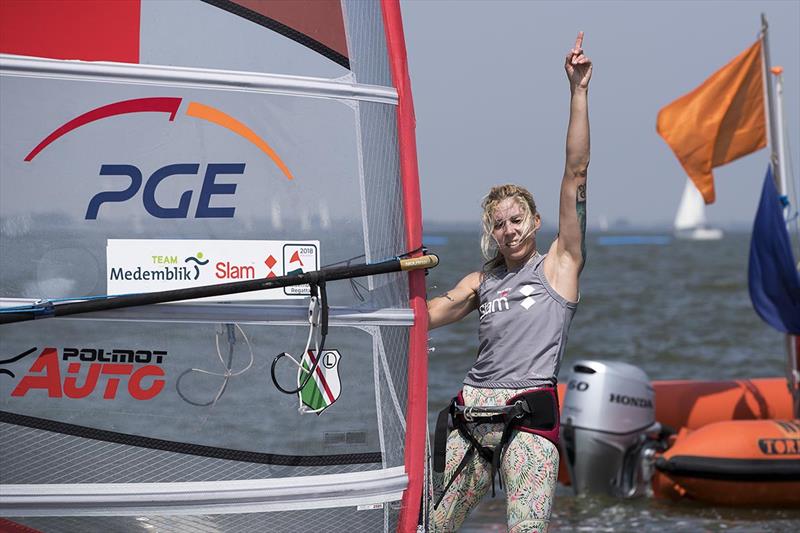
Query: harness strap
(492, 413)
(440, 439)
(467, 456)
(533, 411)
(505, 440)
(460, 415)
(485, 452)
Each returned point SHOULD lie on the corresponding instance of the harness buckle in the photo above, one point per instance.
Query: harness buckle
(468, 413)
(522, 408)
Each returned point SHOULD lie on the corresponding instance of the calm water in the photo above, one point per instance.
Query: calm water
(678, 311)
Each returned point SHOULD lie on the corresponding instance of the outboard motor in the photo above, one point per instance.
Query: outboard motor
(609, 434)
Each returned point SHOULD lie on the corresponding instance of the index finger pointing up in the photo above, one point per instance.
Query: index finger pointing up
(579, 40)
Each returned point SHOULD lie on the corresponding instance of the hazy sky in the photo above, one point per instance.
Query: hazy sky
(491, 99)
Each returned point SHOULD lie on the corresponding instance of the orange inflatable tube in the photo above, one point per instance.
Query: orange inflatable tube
(694, 404)
(736, 462)
(761, 405)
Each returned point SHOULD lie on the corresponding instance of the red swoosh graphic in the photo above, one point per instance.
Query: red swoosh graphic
(138, 105)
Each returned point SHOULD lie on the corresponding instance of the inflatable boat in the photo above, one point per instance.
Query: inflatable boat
(717, 442)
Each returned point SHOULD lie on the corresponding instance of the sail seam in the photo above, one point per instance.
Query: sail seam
(374, 332)
(187, 448)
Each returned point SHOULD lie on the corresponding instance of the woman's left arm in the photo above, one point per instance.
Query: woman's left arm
(568, 252)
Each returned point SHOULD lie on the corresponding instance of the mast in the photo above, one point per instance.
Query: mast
(772, 126)
(781, 181)
(777, 160)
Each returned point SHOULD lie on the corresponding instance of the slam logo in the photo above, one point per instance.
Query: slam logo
(149, 187)
(117, 372)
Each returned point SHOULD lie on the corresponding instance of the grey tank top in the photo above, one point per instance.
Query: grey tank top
(523, 329)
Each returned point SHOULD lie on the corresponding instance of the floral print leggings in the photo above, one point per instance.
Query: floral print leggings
(529, 471)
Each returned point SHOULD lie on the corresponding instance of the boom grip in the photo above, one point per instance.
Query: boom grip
(416, 263)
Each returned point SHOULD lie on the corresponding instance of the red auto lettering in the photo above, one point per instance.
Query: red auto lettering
(117, 370)
(71, 387)
(135, 383)
(50, 380)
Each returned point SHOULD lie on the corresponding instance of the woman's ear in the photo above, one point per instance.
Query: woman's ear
(537, 222)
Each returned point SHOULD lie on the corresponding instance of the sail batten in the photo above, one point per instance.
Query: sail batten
(217, 497)
(184, 77)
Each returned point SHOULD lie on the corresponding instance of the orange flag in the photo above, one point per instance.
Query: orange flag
(719, 121)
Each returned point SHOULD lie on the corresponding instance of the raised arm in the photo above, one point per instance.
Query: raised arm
(568, 252)
(455, 304)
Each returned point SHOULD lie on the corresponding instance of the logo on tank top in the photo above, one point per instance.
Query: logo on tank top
(498, 304)
(501, 302)
(526, 291)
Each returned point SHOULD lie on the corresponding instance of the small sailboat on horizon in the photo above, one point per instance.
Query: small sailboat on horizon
(690, 220)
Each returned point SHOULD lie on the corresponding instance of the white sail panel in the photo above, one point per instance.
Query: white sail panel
(691, 210)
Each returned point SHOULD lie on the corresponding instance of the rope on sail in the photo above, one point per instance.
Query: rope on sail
(227, 374)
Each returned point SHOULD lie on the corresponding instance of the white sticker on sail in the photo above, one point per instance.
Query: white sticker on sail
(299, 258)
(151, 265)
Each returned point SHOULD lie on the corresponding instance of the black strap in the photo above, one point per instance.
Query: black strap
(467, 457)
(492, 456)
(440, 439)
(483, 451)
(505, 440)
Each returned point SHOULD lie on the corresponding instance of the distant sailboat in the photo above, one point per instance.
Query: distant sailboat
(690, 221)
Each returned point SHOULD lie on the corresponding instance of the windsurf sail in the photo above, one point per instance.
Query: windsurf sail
(178, 145)
(690, 220)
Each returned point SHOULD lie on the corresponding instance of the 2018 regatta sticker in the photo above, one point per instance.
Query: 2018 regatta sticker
(141, 266)
(297, 258)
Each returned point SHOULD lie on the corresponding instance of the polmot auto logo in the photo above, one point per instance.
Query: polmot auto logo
(117, 372)
(149, 186)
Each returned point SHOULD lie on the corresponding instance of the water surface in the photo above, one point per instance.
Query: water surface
(678, 311)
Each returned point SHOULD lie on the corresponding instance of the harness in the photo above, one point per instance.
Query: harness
(533, 411)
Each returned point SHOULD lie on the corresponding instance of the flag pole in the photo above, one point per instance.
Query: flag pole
(772, 131)
(776, 145)
(782, 183)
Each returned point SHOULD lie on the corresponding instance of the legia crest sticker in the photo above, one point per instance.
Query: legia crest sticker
(324, 388)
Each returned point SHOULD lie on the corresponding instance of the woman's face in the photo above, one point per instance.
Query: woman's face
(509, 232)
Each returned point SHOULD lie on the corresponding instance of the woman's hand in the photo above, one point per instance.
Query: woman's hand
(578, 66)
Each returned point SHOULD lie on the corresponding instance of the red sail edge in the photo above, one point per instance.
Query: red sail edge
(416, 410)
(88, 30)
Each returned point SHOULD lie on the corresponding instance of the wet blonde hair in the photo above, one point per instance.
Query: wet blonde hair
(496, 195)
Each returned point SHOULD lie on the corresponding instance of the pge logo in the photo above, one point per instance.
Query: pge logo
(209, 187)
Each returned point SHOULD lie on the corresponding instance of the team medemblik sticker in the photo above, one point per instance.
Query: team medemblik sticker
(151, 265)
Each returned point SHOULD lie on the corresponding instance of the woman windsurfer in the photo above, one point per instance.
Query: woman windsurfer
(526, 302)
